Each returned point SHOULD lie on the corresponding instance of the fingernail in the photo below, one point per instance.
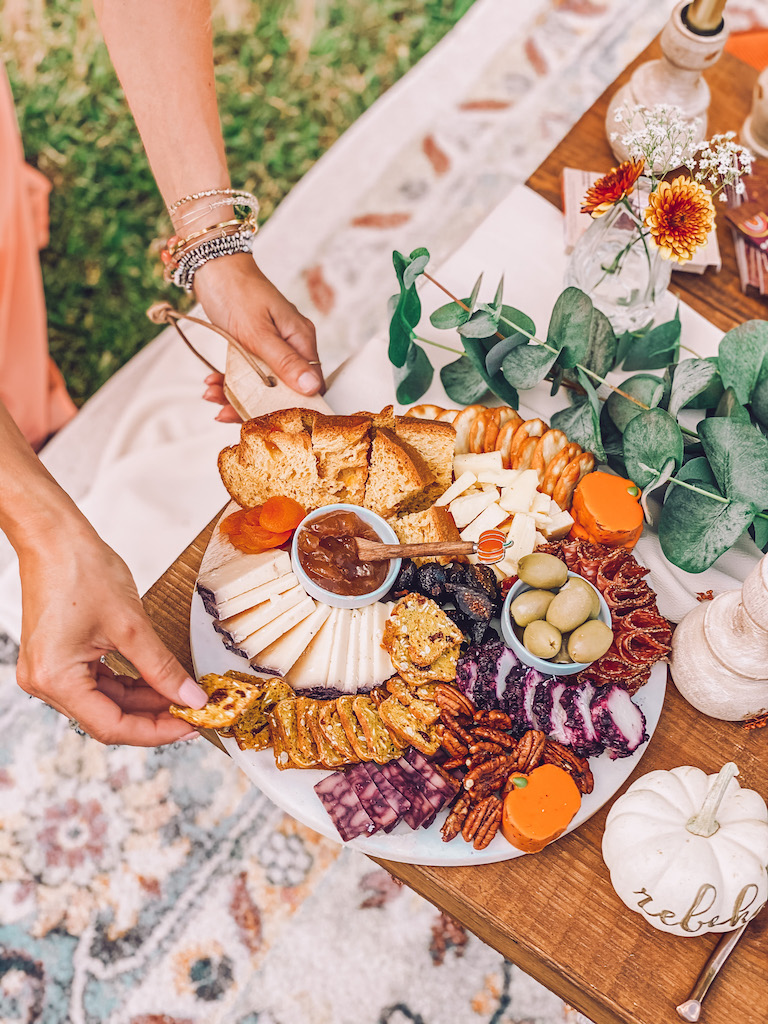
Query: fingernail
(211, 378)
(308, 383)
(189, 735)
(208, 394)
(192, 695)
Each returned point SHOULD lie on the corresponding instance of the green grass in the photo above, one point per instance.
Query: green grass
(285, 95)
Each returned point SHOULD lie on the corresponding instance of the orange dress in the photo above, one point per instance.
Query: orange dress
(31, 386)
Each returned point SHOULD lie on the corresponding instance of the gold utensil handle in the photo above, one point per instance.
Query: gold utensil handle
(373, 551)
(691, 1008)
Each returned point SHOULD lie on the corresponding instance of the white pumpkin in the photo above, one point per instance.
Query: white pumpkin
(689, 851)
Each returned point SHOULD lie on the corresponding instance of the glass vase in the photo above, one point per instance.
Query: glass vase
(612, 263)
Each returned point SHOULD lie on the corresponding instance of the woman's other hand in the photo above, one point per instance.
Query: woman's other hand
(80, 602)
(239, 298)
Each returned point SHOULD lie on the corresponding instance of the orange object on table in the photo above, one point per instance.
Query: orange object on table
(280, 513)
(541, 809)
(606, 510)
(247, 534)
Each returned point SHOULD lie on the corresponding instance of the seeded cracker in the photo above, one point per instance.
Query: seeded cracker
(228, 698)
(422, 641)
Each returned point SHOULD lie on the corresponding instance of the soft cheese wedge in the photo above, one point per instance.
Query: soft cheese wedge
(262, 638)
(251, 598)
(355, 669)
(337, 664)
(280, 656)
(311, 668)
(235, 577)
(238, 627)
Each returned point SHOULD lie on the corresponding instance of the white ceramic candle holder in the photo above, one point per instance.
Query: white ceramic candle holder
(676, 78)
(754, 134)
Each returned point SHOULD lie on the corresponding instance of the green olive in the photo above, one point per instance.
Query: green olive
(542, 571)
(569, 608)
(574, 582)
(563, 657)
(590, 641)
(530, 605)
(542, 639)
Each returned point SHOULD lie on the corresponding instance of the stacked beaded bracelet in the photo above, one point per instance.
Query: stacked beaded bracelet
(183, 257)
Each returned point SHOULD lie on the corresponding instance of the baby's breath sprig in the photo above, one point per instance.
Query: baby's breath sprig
(721, 162)
(659, 135)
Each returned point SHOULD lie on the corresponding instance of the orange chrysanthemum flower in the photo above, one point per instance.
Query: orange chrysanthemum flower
(679, 218)
(612, 187)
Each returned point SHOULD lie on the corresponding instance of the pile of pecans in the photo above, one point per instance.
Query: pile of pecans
(479, 744)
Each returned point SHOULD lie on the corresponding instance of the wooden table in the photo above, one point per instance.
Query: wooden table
(555, 914)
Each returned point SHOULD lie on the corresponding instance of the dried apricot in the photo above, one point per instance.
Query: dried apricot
(280, 513)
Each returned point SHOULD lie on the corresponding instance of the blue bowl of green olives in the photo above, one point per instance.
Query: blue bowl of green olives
(555, 620)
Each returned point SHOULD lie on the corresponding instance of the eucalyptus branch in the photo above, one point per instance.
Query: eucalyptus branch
(436, 344)
(708, 494)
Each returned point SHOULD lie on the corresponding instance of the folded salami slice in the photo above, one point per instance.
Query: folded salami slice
(421, 812)
(378, 809)
(396, 800)
(344, 808)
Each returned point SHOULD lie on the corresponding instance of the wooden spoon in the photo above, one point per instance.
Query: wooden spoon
(375, 551)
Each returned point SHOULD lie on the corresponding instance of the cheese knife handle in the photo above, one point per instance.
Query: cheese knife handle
(373, 551)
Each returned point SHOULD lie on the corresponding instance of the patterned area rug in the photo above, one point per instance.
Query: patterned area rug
(159, 887)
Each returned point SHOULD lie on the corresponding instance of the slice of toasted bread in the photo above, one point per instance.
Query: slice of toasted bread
(435, 442)
(379, 739)
(228, 698)
(341, 445)
(433, 524)
(398, 477)
(353, 728)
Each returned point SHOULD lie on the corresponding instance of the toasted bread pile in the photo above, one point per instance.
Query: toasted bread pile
(524, 444)
(390, 464)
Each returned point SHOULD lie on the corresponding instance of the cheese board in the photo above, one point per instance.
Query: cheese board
(372, 700)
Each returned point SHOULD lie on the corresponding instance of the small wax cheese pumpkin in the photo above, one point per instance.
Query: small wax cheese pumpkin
(689, 851)
(606, 510)
(539, 807)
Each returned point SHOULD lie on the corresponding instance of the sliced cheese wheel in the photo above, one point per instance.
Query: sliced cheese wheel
(352, 668)
(311, 669)
(251, 598)
(256, 642)
(279, 657)
(236, 576)
(238, 627)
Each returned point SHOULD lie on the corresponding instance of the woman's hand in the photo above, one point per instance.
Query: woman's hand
(239, 298)
(80, 602)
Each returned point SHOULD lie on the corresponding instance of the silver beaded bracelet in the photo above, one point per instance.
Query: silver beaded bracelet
(191, 261)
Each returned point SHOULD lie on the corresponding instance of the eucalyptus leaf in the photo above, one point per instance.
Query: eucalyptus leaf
(527, 365)
(417, 264)
(711, 395)
(625, 343)
(742, 356)
(570, 326)
(405, 317)
(738, 455)
(414, 377)
(694, 530)
(499, 292)
(697, 471)
(481, 324)
(594, 404)
(645, 388)
(501, 349)
(760, 528)
(651, 439)
(476, 350)
(475, 292)
(450, 315)
(759, 402)
(601, 349)
(656, 349)
(730, 407)
(692, 377)
(659, 480)
(581, 423)
(463, 382)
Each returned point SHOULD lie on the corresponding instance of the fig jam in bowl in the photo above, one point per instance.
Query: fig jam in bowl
(324, 558)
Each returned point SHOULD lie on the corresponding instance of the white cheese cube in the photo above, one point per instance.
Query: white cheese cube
(559, 526)
(475, 463)
(487, 520)
(500, 477)
(541, 503)
(463, 483)
(522, 534)
(519, 496)
(469, 506)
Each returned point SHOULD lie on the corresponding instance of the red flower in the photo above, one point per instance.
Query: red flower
(617, 184)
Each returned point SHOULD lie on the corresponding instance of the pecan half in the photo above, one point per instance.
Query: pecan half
(452, 763)
(496, 719)
(482, 822)
(453, 745)
(454, 822)
(453, 701)
(453, 725)
(486, 732)
(530, 750)
(565, 758)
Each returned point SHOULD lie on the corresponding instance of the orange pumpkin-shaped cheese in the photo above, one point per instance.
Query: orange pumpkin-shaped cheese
(606, 510)
(541, 809)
